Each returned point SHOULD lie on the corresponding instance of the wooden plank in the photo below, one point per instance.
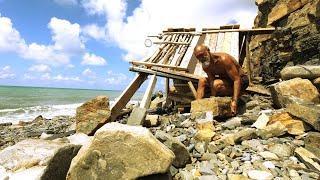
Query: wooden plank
(220, 40)
(167, 42)
(188, 57)
(230, 26)
(145, 102)
(213, 41)
(252, 31)
(248, 57)
(126, 95)
(177, 53)
(163, 74)
(183, 51)
(148, 64)
(193, 90)
(179, 73)
(226, 44)
(234, 47)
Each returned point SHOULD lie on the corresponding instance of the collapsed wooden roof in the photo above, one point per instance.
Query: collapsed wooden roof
(174, 58)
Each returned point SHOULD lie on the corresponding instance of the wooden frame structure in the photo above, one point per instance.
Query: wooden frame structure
(174, 60)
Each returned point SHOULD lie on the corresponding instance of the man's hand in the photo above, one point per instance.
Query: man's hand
(234, 107)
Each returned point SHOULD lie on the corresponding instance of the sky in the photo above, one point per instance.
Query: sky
(89, 43)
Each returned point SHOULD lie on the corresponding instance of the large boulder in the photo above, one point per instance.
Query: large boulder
(306, 72)
(37, 159)
(219, 106)
(297, 87)
(284, 8)
(120, 151)
(92, 115)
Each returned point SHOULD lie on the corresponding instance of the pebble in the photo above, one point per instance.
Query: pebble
(246, 157)
(257, 174)
(269, 165)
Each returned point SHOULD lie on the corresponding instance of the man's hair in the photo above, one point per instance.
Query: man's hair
(201, 47)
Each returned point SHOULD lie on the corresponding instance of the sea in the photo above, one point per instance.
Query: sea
(26, 103)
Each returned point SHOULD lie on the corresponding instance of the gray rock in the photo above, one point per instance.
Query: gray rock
(312, 143)
(305, 72)
(232, 123)
(182, 156)
(281, 150)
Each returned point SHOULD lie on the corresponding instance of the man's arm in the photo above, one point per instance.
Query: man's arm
(234, 74)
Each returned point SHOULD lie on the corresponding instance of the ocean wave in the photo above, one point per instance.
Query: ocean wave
(47, 111)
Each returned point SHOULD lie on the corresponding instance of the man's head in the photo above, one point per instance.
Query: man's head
(202, 53)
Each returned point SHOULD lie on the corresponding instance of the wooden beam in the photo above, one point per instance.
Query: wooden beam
(179, 73)
(126, 95)
(193, 90)
(145, 102)
(253, 31)
(163, 74)
(148, 64)
(168, 42)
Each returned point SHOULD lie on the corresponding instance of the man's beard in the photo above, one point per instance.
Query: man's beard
(206, 63)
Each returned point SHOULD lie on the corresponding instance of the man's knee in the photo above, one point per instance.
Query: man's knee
(202, 82)
(218, 85)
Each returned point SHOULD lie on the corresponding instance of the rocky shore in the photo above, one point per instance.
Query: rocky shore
(274, 136)
(262, 142)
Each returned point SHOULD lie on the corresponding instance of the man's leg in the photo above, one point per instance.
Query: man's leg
(223, 87)
(201, 87)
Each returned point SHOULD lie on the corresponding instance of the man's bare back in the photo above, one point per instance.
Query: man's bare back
(225, 76)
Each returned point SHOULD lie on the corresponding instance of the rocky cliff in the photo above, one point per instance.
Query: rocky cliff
(296, 39)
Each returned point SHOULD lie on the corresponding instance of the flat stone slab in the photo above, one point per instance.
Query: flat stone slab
(219, 106)
(37, 159)
(298, 88)
(309, 113)
(305, 72)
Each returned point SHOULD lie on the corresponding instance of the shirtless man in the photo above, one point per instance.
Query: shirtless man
(225, 76)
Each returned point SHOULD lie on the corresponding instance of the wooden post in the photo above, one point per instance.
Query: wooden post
(127, 94)
(248, 56)
(167, 84)
(193, 90)
(138, 114)
(145, 102)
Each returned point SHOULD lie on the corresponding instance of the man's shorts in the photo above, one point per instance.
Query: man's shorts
(244, 82)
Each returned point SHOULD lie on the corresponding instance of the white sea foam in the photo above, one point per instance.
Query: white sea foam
(47, 111)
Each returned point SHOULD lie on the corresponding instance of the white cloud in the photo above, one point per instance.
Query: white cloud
(115, 78)
(94, 31)
(45, 76)
(28, 77)
(66, 78)
(6, 73)
(66, 2)
(40, 68)
(65, 36)
(87, 72)
(153, 16)
(92, 59)
(10, 40)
